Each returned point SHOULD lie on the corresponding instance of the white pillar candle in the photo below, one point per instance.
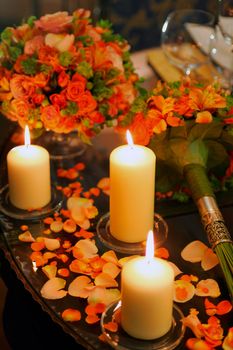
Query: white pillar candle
(147, 296)
(132, 192)
(29, 175)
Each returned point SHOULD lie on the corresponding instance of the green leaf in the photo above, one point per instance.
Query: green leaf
(104, 23)
(207, 131)
(196, 153)
(6, 35)
(29, 66)
(85, 69)
(65, 58)
(71, 109)
(31, 21)
(166, 177)
(181, 197)
(217, 154)
(15, 52)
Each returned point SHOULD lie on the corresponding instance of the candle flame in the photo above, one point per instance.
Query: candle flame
(150, 246)
(129, 138)
(27, 140)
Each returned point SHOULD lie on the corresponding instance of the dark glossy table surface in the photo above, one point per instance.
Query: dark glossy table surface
(184, 226)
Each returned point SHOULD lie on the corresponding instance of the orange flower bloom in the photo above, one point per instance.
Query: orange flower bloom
(140, 130)
(22, 86)
(204, 117)
(50, 116)
(74, 90)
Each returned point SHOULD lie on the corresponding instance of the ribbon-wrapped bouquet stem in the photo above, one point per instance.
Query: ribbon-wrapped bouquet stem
(190, 128)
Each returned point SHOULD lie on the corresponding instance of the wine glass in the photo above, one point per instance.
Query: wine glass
(185, 38)
(221, 54)
(225, 20)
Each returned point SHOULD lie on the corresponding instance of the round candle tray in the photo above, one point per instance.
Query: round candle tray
(104, 234)
(120, 340)
(7, 208)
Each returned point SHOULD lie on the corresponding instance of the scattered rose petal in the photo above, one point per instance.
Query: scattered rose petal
(56, 226)
(184, 291)
(110, 256)
(197, 344)
(51, 243)
(50, 271)
(194, 251)
(105, 280)
(69, 226)
(53, 288)
(91, 319)
(71, 315)
(103, 295)
(104, 185)
(77, 287)
(192, 321)
(111, 269)
(209, 260)
(208, 287)
(228, 341)
(37, 246)
(87, 248)
(63, 272)
(162, 253)
(111, 326)
(26, 237)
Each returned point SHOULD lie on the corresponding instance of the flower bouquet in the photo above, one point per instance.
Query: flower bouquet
(190, 128)
(61, 73)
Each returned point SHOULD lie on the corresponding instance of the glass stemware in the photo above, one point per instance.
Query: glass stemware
(180, 38)
(225, 20)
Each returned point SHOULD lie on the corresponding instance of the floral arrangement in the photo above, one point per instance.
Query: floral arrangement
(62, 73)
(176, 116)
(190, 128)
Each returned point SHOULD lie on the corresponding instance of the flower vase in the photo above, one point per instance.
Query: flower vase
(62, 146)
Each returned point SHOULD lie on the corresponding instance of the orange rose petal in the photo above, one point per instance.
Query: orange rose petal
(56, 226)
(66, 244)
(87, 247)
(48, 220)
(37, 246)
(63, 272)
(208, 287)
(124, 260)
(110, 256)
(69, 226)
(197, 344)
(84, 234)
(175, 268)
(65, 213)
(79, 166)
(63, 257)
(162, 253)
(224, 307)
(100, 308)
(91, 319)
(50, 271)
(47, 231)
(228, 341)
(77, 287)
(53, 289)
(103, 338)
(209, 260)
(184, 291)
(26, 237)
(23, 227)
(95, 191)
(105, 280)
(97, 264)
(49, 255)
(71, 315)
(210, 307)
(111, 326)
(90, 309)
(111, 269)
(52, 243)
(194, 251)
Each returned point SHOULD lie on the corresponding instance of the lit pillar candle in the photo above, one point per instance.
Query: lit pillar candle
(29, 175)
(132, 192)
(147, 295)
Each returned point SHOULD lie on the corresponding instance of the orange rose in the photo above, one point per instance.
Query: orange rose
(86, 103)
(50, 117)
(58, 100)
(63, 79)
(21, 86)
(54, 23)
(74, 90)
(20, 108)
(140, 131)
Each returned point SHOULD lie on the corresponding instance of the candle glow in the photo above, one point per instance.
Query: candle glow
(27, 139)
